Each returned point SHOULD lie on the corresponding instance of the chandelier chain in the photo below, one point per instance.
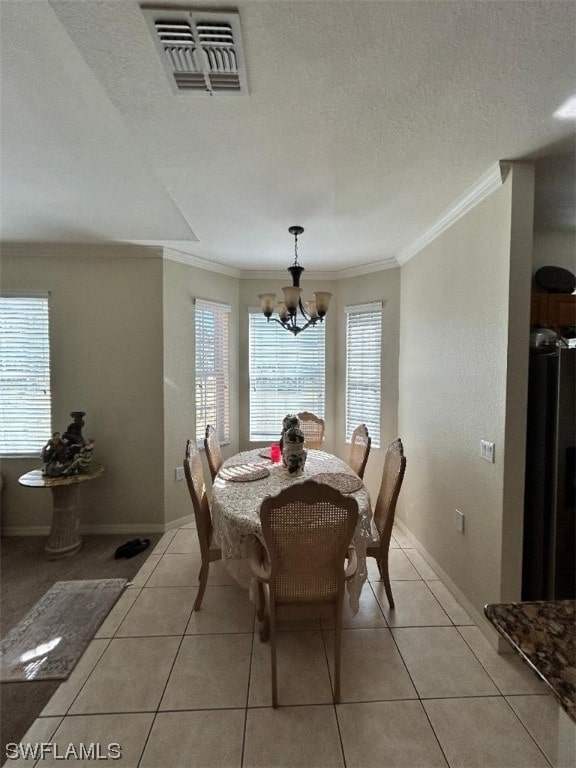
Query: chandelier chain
(295, 250)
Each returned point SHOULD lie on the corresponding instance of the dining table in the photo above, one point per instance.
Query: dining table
(247, 478)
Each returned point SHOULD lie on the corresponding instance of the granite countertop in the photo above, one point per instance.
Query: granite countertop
(544, 634)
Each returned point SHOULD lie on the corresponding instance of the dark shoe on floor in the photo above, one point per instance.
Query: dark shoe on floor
(140, 546)
(121, 551)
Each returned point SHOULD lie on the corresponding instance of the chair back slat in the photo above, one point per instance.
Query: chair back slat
(392, 477)
(213, 452)
(196, 487)
(359, 449)
(313, 428)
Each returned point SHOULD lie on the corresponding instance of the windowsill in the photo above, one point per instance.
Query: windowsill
(201, 447)
(24, 456)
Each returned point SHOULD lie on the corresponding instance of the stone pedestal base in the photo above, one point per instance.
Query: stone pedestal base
(64, 539)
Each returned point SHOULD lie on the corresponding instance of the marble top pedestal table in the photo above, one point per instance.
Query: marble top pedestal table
(64, 539)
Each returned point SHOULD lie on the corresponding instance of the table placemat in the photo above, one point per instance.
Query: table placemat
(243, 473)
(340, 480)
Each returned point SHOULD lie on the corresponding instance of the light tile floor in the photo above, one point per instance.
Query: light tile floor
(421, 686)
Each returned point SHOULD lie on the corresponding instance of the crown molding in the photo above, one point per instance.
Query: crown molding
(81, 250)
(484, 186)
(171, 254)
(340, 274)
(280, 274)
(132, 250)
(367, 269)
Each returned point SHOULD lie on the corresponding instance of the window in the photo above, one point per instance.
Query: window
(287, 375)
(363, 344)
(212, 369)
(25, 407)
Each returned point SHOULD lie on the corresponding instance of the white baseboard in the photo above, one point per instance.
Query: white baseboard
(26, 530)
(179, 522)
(478, 618)
(118, 528)
(101, 528)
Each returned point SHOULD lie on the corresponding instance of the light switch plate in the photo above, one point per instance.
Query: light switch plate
(179, 473)
(487, 451)
(459, 520)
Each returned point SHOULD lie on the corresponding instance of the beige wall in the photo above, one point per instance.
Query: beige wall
(381, 286)
(519, 290)
(183, 284)
(106, 349)
(456, 385)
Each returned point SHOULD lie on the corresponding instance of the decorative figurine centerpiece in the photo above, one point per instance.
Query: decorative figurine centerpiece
(292, 445)
(289, 421)
(70, 453)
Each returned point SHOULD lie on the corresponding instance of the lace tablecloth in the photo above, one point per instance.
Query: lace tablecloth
(236, 512)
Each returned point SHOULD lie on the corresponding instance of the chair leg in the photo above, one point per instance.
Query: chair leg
(262, 613)
(203, 579)
(337, 652)
(386, 579)
(273, 661)
(260, 601)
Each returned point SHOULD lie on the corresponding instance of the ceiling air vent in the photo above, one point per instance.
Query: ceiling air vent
(201, 51)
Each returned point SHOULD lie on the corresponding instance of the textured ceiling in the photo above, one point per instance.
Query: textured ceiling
(364, 122)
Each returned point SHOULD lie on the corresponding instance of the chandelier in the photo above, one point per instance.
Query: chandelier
(314, 310)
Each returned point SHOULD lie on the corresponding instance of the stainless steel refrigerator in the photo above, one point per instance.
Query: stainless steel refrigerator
(548, 570)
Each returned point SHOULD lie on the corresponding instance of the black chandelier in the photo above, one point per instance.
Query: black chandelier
(315, 309)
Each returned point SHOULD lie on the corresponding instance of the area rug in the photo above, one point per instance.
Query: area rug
(52, 636)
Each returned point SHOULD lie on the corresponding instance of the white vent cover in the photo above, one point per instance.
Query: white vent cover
(201, 51)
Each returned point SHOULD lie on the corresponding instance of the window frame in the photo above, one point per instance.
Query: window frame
(219, 371)
(38, 369)
(371, 372)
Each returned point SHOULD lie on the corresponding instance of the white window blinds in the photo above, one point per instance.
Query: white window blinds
(25, 406)
(287, 375)
(363, 392)
(211, 322)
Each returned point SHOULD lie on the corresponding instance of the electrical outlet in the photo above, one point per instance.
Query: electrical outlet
(487, 451)
(459, 520)
(179, 473)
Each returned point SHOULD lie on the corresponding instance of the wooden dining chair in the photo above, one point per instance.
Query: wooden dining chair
(213, 452)
(392, 476)
(208, 550)
(307, 530)
(359, 449)
(313, 428)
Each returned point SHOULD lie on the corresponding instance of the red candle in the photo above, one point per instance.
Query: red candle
(275, 454)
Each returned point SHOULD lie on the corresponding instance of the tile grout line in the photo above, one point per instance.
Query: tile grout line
(511, 708)
(498, 687)
(108, 640)
(248, 689)
(160, 700)
(332, 684)
(420, 701)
